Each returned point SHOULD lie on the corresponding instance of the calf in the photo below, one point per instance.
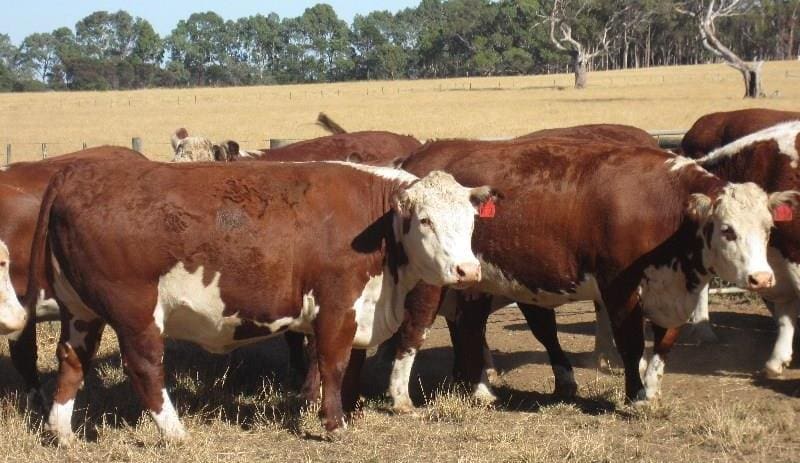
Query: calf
(236, 253)
(770, 159)
(717, 129)
(22, 186)
(600, 222)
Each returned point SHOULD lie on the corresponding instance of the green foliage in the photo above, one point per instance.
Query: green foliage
(437, 38)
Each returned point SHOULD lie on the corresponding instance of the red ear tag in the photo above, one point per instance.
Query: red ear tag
(782, 213)
(487, 209)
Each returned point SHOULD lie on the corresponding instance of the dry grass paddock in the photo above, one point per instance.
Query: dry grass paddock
(714, 408)
(237, 408)
(656, 98)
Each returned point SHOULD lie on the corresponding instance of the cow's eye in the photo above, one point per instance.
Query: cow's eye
(425, 221)
(728, 232)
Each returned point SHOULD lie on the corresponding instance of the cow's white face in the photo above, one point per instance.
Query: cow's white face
(738, 224)
(434, 221)
(12, 315)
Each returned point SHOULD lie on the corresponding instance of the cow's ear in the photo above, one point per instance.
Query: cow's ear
(782, 205)
(483, 199)
(699, 207)
(401, 203)
(219, 153)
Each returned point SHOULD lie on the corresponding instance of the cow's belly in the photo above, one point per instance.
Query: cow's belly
(190, 310)
(379, 312)
(497, 283)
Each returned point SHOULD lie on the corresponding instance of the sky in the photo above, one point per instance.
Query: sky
(23, 17)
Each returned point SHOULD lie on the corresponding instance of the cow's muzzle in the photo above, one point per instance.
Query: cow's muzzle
(760, 280)
(467, 273)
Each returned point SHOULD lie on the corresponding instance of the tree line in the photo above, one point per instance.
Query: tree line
(437, 38)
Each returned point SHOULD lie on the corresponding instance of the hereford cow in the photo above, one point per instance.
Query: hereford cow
(598, 222)
(236, 253)
(770, 159)
(717, 129)
(22, 186)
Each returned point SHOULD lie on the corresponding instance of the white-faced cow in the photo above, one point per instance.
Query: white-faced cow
(238, 252)
(770, 158)
(635, 229)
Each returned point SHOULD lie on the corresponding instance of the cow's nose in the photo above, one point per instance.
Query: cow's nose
(468, 272)
(760, 280)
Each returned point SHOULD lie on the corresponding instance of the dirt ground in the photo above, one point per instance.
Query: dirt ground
(237, 408)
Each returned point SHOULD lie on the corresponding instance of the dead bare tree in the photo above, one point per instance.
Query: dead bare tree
(564, 41)
(707, 14)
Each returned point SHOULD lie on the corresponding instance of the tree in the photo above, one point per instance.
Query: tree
(37, 55)
(707, 14)
(327, 40)
(595, 39)
(196, 42)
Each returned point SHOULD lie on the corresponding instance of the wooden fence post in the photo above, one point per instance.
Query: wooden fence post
(136, 144)
(44, 150)
(8, 154)
(84, 145)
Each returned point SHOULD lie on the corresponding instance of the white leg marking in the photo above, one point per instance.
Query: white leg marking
(60, 421)
(701, 324)
(167, 420)
(488, 364)
(642, 367)
(398, 384)
(652, 377)
(786, 317)
(482, 392)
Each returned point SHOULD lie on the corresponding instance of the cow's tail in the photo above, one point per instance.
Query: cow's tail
(37, 271)
(328, 124)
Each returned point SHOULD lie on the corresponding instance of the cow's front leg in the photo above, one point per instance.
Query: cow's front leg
(469, 342)
(422, 304)
(605, 353)
(785, 314)
(663, 340)
(77, 346)
(542, 323)
(628, 327)
(310, 389)
(143, 359)
(702, 331)
(24, 356)
(334, 330)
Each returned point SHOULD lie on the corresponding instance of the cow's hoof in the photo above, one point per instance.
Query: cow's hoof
(64, 440)
(484, 395)
(491, 375)
(774, 369)
(702, 333)
(640, 399)
(566, 390)
(403, 406)
(175, 436)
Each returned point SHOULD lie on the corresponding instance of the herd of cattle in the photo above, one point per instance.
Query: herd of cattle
(354, 238)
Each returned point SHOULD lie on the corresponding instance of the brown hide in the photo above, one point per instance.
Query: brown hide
(374, 148)
(606, 133)
(718, 129)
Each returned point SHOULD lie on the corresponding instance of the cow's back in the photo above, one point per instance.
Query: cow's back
(369, 147)
(606, 133)
(563, 201)
(718, 129)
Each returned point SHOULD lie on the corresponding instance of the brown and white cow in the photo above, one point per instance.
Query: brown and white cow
(22, 186)
(604, 133)
(239, 252)
(770, 159)
(718, 129)
(633, 228)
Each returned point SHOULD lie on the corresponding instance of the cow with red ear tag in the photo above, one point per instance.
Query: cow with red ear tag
(635, 229)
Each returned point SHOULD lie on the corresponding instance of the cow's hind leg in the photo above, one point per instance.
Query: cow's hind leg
(628, 326)
(785, 314)
(542, 323)
(143, 359)
(80, 338)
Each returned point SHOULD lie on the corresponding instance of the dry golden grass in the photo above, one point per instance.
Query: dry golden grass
(656, 98)
(236, 409)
